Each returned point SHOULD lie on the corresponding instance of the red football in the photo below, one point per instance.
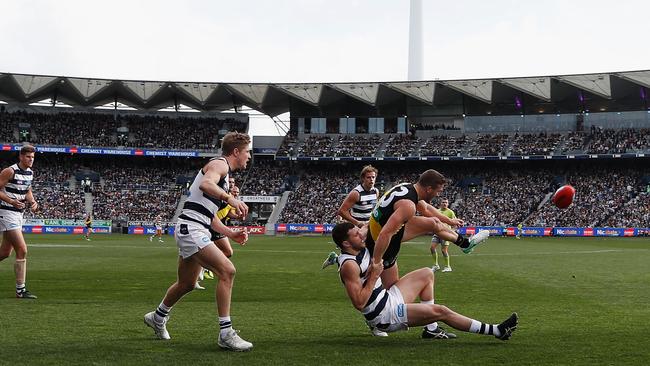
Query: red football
(563, 197)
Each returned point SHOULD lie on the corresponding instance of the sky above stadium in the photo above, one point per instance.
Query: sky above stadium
(319, 41)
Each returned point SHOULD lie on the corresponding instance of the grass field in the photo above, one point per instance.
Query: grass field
(580, 301)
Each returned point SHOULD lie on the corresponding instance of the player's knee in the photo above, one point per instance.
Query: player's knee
(426, 276)
(429, 276)
(21, 253)
(227, 252)
(439, 312)
(227, 272)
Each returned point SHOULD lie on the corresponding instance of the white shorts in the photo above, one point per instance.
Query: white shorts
(11, 220)
(190, 238)
(158, 228)
(394, 317)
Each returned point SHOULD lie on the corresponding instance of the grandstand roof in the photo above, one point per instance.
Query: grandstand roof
(277, 98)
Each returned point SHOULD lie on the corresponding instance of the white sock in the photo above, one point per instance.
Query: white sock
(161, 313)
(482, 328)
(225, 324)
(433, 325)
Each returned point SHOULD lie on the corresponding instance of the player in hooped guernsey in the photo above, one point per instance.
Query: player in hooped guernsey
(208, 194)
(358, 204)
(362, 199)
(16, 196)
(393, 308)
(159, 230)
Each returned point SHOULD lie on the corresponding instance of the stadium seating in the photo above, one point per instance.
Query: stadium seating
(101, 129)
(596, 141)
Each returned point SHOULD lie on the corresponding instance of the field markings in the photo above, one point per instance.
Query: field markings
(323, 252)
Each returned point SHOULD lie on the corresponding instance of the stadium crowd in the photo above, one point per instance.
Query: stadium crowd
(107, 130)
(135, 205)
(264, 178)
(595, 141)
(443, 145)
(618, 141)
(318, 195)
(351, 145)
(403, 145)
(488, 145)
(500, 196)
(600, 194)
(535, 144)
(316, 145)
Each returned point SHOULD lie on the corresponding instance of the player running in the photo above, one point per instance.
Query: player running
(208, 194)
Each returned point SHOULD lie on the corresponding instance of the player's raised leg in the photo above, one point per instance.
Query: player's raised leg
(419, 225)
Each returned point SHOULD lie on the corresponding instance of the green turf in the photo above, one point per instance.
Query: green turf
(580, 301)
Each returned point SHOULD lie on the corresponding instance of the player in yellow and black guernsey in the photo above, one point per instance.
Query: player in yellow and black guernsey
(89, 226)
(394, 221)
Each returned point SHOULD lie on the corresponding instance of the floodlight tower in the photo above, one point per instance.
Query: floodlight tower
(415, 71)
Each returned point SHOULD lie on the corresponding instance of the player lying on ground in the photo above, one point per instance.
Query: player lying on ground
(393, 309)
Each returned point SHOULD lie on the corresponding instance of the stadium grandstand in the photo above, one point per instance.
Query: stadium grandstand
(125, 150)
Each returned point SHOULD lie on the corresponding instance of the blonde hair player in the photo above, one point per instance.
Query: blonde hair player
(208, 194)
